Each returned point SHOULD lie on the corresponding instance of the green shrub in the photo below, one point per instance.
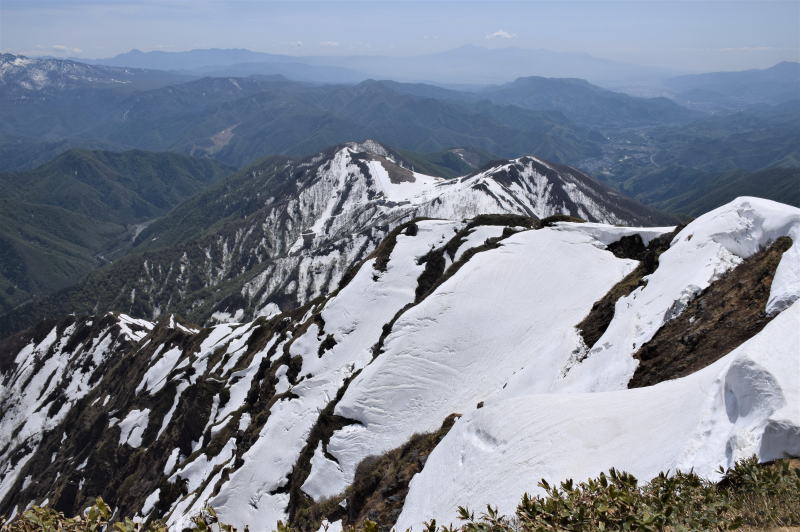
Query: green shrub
(750, 496)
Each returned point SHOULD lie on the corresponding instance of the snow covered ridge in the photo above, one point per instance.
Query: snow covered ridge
(22, 75)
(260, 419)
(308, 221)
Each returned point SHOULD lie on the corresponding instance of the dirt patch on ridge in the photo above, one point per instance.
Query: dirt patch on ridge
(725, 315)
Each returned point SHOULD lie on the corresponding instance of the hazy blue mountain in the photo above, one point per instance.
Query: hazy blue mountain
(467, 64)
(234, 63)
(737, 90)
(650, 148)
(585, 103)
(56, 98)
(294, 71)
(238, 121)
(479, 65)
(188, 60)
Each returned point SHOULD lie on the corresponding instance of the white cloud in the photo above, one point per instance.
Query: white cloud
(329, 44)
(501, 34)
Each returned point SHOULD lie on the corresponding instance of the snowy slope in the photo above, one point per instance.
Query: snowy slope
(477, 317)
(746, 403)
(467, 343)
(504, 310)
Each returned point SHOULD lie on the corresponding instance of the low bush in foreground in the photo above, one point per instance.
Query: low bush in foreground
(750, 496)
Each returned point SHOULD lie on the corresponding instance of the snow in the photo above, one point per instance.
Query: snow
(418, 190)
(476, 237)
(135, 329)
(336, 526)
(150, 502)
(244, 421)
(746, 403)
(133, 426)
(269, 310)
(198, 470)
(240, 383)
(156, 375)
(31, 390)
(227, 317)
(302, 244)
(168, 416)
(202, 471)
(326, 477)
(470, 337)
(785, 288)
(337, 172)
(172, 461)
(501, 331)
(608, 234)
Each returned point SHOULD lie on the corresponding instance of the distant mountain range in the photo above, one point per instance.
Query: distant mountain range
(478, 66)
(465, 65)
(682, 160)
(588, 104)
(651, 148)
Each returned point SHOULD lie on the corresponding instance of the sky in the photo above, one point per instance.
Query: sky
(684, 35)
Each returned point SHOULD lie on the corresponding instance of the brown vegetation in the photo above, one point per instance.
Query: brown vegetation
(725, 315)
